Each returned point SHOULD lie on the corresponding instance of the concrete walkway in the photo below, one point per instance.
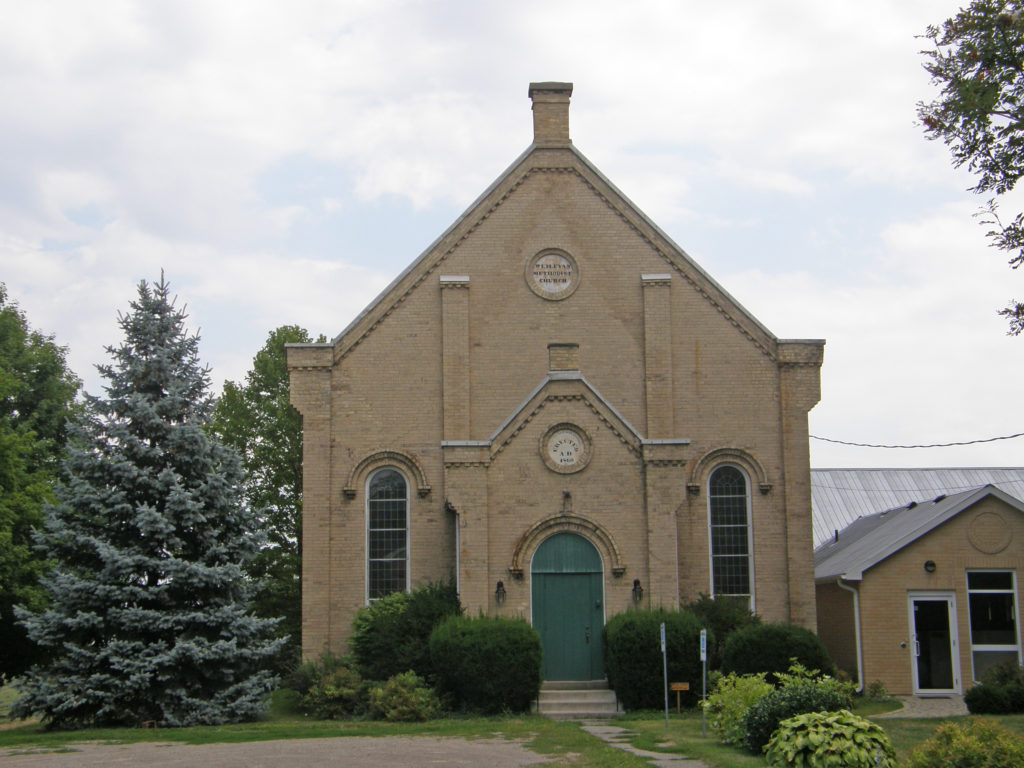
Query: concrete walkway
(619, 738)
(932, 706)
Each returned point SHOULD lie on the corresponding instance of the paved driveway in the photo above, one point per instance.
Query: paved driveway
(396, 751)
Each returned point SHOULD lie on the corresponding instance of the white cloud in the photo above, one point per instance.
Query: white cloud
(141, 135)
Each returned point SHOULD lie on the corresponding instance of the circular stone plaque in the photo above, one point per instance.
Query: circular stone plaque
(552, 274)
(989, 533)
(565, 448)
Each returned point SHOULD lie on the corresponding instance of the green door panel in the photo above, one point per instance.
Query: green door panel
(568, 607)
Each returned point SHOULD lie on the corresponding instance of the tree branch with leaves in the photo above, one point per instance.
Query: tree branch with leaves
(977, 61)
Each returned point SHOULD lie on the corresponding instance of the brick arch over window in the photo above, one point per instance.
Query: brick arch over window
(566, 523)
(712, 459)
(404, 461)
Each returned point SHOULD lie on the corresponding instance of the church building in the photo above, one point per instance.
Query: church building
(557, 408)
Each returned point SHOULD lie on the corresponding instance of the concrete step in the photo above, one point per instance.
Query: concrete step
(574, 685)
(564, 700)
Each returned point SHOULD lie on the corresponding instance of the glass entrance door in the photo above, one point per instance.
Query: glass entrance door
(933, 643)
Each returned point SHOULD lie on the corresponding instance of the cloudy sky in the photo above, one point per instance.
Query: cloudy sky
(284, 161)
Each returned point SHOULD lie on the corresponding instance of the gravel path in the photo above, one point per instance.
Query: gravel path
(394, 751)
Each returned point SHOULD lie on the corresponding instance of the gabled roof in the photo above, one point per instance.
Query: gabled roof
(563, 157)
(871, 539)
(840, 496)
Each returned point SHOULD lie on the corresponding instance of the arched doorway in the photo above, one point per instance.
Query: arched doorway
(568, 607)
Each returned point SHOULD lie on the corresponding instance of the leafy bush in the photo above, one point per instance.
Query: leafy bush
(772, 648)
(995, 699)
(1004, 673)
(977, 743)
(729, 701)
(489, 664)
(632, 655)
(877, 691)
(830, 740)
(404, 698)
(722, 616)
(390, 636)
(328, 688)
(338, 693)
(1001, 691)
(800, 692)
(304, 676)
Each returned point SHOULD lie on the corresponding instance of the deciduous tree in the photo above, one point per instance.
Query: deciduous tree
(149, 616)
(977, 61)
(36, 396)
(258, 420)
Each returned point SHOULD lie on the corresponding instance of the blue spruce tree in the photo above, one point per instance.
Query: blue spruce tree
(149, 618)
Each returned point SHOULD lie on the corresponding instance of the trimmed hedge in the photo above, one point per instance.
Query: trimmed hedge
(772, 648)
(723, 616)
(633, 661)
(1001, 691)
(488, 664)
(390, 635)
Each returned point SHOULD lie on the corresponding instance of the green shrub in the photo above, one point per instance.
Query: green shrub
(977, 743)
(1001, 691)
(632, 656)
(995, 699)
(800, 693)
(772, 648)
(305, 675)
(390, 636)
(830, 740)
(729, 701)
(339, 692)
(722, 616)
(877, 691)
(1004, 673)
(404, 698)
(488, 664)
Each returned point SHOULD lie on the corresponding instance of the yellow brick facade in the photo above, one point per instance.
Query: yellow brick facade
(553, 301)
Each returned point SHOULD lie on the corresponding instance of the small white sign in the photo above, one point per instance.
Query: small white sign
(703, 645)
(662, 637)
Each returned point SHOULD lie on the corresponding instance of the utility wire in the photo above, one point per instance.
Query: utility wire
(931, 445)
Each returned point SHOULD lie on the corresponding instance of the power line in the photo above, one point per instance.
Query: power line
(931, 445)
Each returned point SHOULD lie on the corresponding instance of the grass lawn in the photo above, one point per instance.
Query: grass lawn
(563, 741)
(683, 735)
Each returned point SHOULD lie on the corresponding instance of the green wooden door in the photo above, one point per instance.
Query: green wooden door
(568, 607)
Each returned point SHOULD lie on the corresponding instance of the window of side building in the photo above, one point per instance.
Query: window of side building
(995, 634)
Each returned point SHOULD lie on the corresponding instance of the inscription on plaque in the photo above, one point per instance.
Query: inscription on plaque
(552, 274)
(565, 448)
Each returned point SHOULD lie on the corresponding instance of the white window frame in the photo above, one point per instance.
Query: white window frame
(752, 596)
(1004, 648)
(366, 529)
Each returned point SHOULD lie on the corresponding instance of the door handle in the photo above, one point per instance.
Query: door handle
(586, 633)
(917, 648)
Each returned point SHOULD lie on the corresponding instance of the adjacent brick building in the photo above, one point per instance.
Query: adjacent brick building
(556, 407)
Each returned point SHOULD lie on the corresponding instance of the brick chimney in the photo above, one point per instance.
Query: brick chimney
(551, 113)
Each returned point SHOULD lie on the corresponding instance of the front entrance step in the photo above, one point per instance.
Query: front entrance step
(572, 699)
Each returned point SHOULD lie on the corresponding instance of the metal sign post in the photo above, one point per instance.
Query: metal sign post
(664, 669)
(704, 690)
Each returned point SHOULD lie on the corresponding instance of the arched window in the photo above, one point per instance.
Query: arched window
(730, 533)
(387, 533)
